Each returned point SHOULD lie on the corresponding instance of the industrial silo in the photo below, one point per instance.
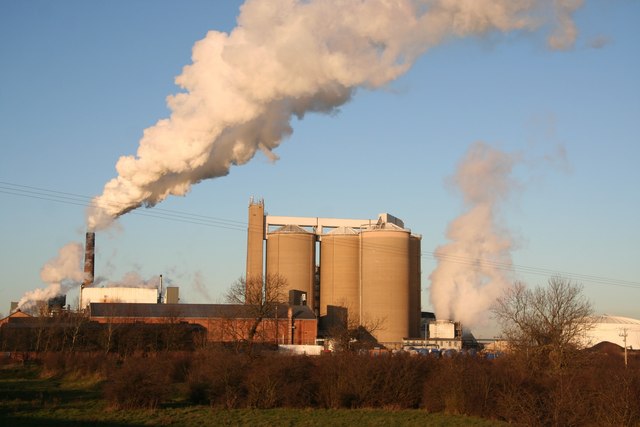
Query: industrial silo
(340, 271)
(415, 284)
(385, 279)
(291, 255)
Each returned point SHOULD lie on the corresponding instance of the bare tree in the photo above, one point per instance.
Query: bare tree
(260, 296)
(75, 322)
(546, 321)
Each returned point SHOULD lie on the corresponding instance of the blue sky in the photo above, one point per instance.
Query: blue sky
(81, 80)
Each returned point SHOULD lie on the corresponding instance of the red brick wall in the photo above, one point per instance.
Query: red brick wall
(230, 330)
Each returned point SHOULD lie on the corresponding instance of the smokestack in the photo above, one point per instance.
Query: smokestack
(89, 259)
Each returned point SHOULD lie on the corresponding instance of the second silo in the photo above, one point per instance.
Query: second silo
(291, 255)
(340, 271)
(385, 281)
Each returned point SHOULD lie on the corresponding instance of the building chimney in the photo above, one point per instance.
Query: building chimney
(89, 259)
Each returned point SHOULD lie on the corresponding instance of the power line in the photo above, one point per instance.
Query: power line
(86, 201)
(209, 221)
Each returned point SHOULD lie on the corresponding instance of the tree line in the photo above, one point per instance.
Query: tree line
(70, 332)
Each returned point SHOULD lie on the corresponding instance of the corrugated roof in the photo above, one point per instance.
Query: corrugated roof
(238, 311)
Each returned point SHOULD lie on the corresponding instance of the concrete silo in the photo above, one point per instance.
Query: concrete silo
(385, 289)
(291, 255)
(340, 271)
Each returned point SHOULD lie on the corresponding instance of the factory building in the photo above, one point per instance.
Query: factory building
(337, 271)
(370, 267)
(283, 324)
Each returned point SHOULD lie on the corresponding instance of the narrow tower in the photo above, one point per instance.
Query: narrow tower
(89, 263)
(255, 243)
(89, 259)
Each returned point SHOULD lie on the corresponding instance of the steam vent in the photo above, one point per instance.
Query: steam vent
(369, 268)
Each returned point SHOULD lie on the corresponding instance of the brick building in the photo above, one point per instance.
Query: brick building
(283, 324)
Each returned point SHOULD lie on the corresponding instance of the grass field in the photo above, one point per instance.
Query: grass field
(28, 399)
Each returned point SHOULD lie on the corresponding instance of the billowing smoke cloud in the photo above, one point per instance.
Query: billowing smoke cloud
(60, 274)
(284, 59)
(474, 268)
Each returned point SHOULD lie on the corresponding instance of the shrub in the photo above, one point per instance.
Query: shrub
(356, 381)
(138, 383)
(217, 378)
(400, 381)
(278, 381)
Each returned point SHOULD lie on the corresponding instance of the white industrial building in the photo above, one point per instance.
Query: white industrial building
(614, 329)
(118, 294)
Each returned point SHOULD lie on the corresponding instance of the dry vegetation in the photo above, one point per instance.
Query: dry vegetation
(594, 390)
(544, 381)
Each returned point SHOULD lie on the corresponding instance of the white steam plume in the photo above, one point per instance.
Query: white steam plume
(60, 274)
(286, 58)
(133, 279)
(474, 268)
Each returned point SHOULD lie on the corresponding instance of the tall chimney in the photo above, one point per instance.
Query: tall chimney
(89, 259)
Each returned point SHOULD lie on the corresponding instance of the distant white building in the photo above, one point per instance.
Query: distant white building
(612, 329)
(118, 294)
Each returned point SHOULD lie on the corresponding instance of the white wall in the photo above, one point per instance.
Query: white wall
(135, 295)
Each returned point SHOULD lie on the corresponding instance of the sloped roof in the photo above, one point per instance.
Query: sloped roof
(147, 310)
(16, 315)
(290, 229)
(339, 231)
(605, 318)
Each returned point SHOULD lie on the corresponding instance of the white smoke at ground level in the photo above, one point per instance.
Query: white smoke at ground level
(288, 58)
(61, 274)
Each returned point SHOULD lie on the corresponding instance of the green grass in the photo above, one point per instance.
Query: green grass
(26, 399)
